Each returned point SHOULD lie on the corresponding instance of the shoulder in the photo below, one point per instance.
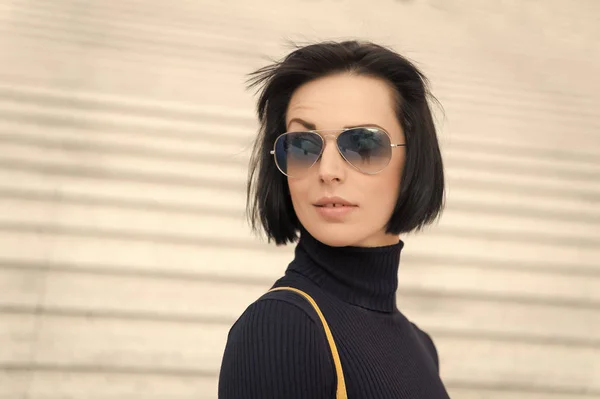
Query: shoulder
(277, 307)
(427, 341)
(275, 345)
(283, 310)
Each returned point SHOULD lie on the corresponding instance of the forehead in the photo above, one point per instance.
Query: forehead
(344, 100)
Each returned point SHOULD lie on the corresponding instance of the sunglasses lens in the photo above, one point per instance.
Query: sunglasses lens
(367, 149)
(296, 152)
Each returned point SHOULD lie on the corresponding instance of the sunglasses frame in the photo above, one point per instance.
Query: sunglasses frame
(319, 131)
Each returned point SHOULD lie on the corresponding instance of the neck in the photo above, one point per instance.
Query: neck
(362, 276)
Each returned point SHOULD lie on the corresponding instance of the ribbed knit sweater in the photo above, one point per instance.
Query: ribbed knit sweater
(278, 348)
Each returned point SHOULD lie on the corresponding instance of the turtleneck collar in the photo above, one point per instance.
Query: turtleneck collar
(363, 276)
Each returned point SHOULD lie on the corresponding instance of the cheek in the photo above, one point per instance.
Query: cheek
(298, 191)
(396, 170)
(384, 192)
(386, 185)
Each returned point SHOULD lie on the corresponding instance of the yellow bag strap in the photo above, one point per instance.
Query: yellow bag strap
(341, 383)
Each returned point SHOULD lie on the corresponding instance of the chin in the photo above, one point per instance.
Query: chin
(350, 235)
(337, 235)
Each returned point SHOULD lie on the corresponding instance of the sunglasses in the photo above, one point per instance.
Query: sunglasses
(367, 149)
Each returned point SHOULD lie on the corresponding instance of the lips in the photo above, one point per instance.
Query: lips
(333, 202)
(334, 206)
(335, 209)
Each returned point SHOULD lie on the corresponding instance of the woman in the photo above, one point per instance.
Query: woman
(347, 158)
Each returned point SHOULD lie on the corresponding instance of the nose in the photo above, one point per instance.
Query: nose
(331, 165)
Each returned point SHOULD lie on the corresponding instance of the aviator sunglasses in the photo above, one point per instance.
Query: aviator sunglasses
(367, 149)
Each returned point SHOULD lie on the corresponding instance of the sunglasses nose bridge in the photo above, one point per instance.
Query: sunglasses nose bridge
(331, 159)
(334, 139)
(333, 136)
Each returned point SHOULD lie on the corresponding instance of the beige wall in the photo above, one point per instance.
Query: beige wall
(124, 137)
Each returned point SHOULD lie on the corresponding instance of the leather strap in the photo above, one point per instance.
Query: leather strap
(341, 383)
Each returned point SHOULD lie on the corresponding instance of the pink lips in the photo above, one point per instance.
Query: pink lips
(334, 208)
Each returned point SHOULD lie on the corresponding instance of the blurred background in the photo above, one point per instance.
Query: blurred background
(125, 132)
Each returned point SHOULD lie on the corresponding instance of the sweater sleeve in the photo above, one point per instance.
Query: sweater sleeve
(275, 350)
(429, 344)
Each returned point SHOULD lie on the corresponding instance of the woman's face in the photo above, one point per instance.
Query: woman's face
(335, 102)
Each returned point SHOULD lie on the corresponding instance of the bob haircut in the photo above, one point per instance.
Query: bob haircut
(421, 197)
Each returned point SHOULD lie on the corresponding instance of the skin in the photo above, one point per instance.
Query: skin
(334, 102)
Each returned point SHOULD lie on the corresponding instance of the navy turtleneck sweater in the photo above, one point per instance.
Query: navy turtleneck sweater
(278, 348)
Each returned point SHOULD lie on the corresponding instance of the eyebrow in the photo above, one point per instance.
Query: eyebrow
(312, 126)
